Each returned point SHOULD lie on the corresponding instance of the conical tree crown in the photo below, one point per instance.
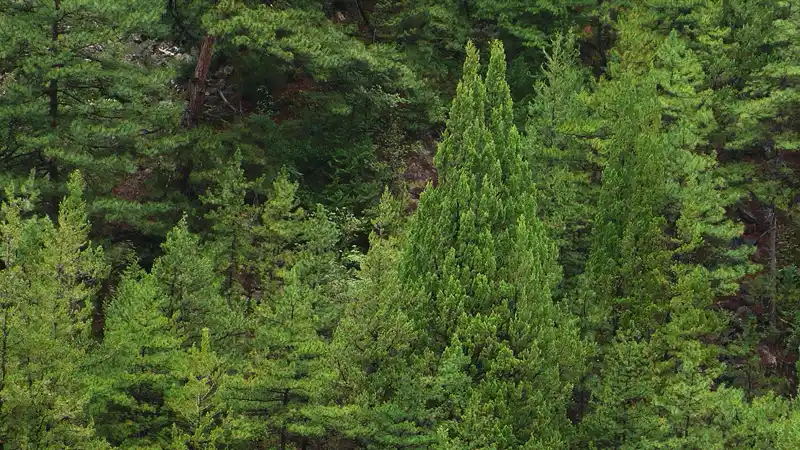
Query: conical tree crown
(483, 259)
(484, 191)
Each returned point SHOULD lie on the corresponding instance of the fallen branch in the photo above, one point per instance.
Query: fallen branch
(227, 102)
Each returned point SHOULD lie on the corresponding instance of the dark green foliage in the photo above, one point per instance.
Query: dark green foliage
(75, 94)
(559, 128)
(605, 260)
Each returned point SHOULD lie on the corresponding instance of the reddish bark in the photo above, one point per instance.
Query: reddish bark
(197, 89)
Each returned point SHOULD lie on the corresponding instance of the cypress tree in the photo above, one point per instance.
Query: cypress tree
(478, 251)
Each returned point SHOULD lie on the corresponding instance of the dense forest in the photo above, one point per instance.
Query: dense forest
(399, 224)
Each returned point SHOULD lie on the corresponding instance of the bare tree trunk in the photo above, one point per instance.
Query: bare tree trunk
(194, 104)
(197, 90)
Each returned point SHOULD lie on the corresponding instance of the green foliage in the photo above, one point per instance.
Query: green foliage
(50, 276)
(654, 385)
(376, 377)
(530, 22)
(487, 267)
(198, 404)
(431, 35)
(136, 365)
(286, 371)
(76, 96)
(231, 309)
(233, 231)
(560, 124)
(186, 276)
(339, 94)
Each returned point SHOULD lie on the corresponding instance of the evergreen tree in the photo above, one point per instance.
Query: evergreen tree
(431, 34)
(759, 118)
(280, 233)
(660, 254)
(282, 381)
(50, 276)
(198, 404)
(285, 371)
(234, 227)
(75, 95)
(252, 324)
(187, 278)
(531, 22)
(137, 365)
(372, 350)
(340, 92)
(560, 124)
(483, 258)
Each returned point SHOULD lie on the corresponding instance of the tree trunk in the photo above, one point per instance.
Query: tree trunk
(194, 103)
(197, 89)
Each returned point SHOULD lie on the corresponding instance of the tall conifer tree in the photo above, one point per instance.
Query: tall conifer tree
(482, 256)
(136, 365)
(50, 276)
(75, 95)
(659, 254)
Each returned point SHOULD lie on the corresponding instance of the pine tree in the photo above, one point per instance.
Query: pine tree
(285, 371)
(280, 232)
(136, 365)
(75, 95)
(559, 126)
(50, 276)
(334, 130)
(660, 253)
(377, 375)
(531, 22)
(759, 118)
(483, 258)
(234, 227)
(198, 403)
(187, 277)
(431, 34)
